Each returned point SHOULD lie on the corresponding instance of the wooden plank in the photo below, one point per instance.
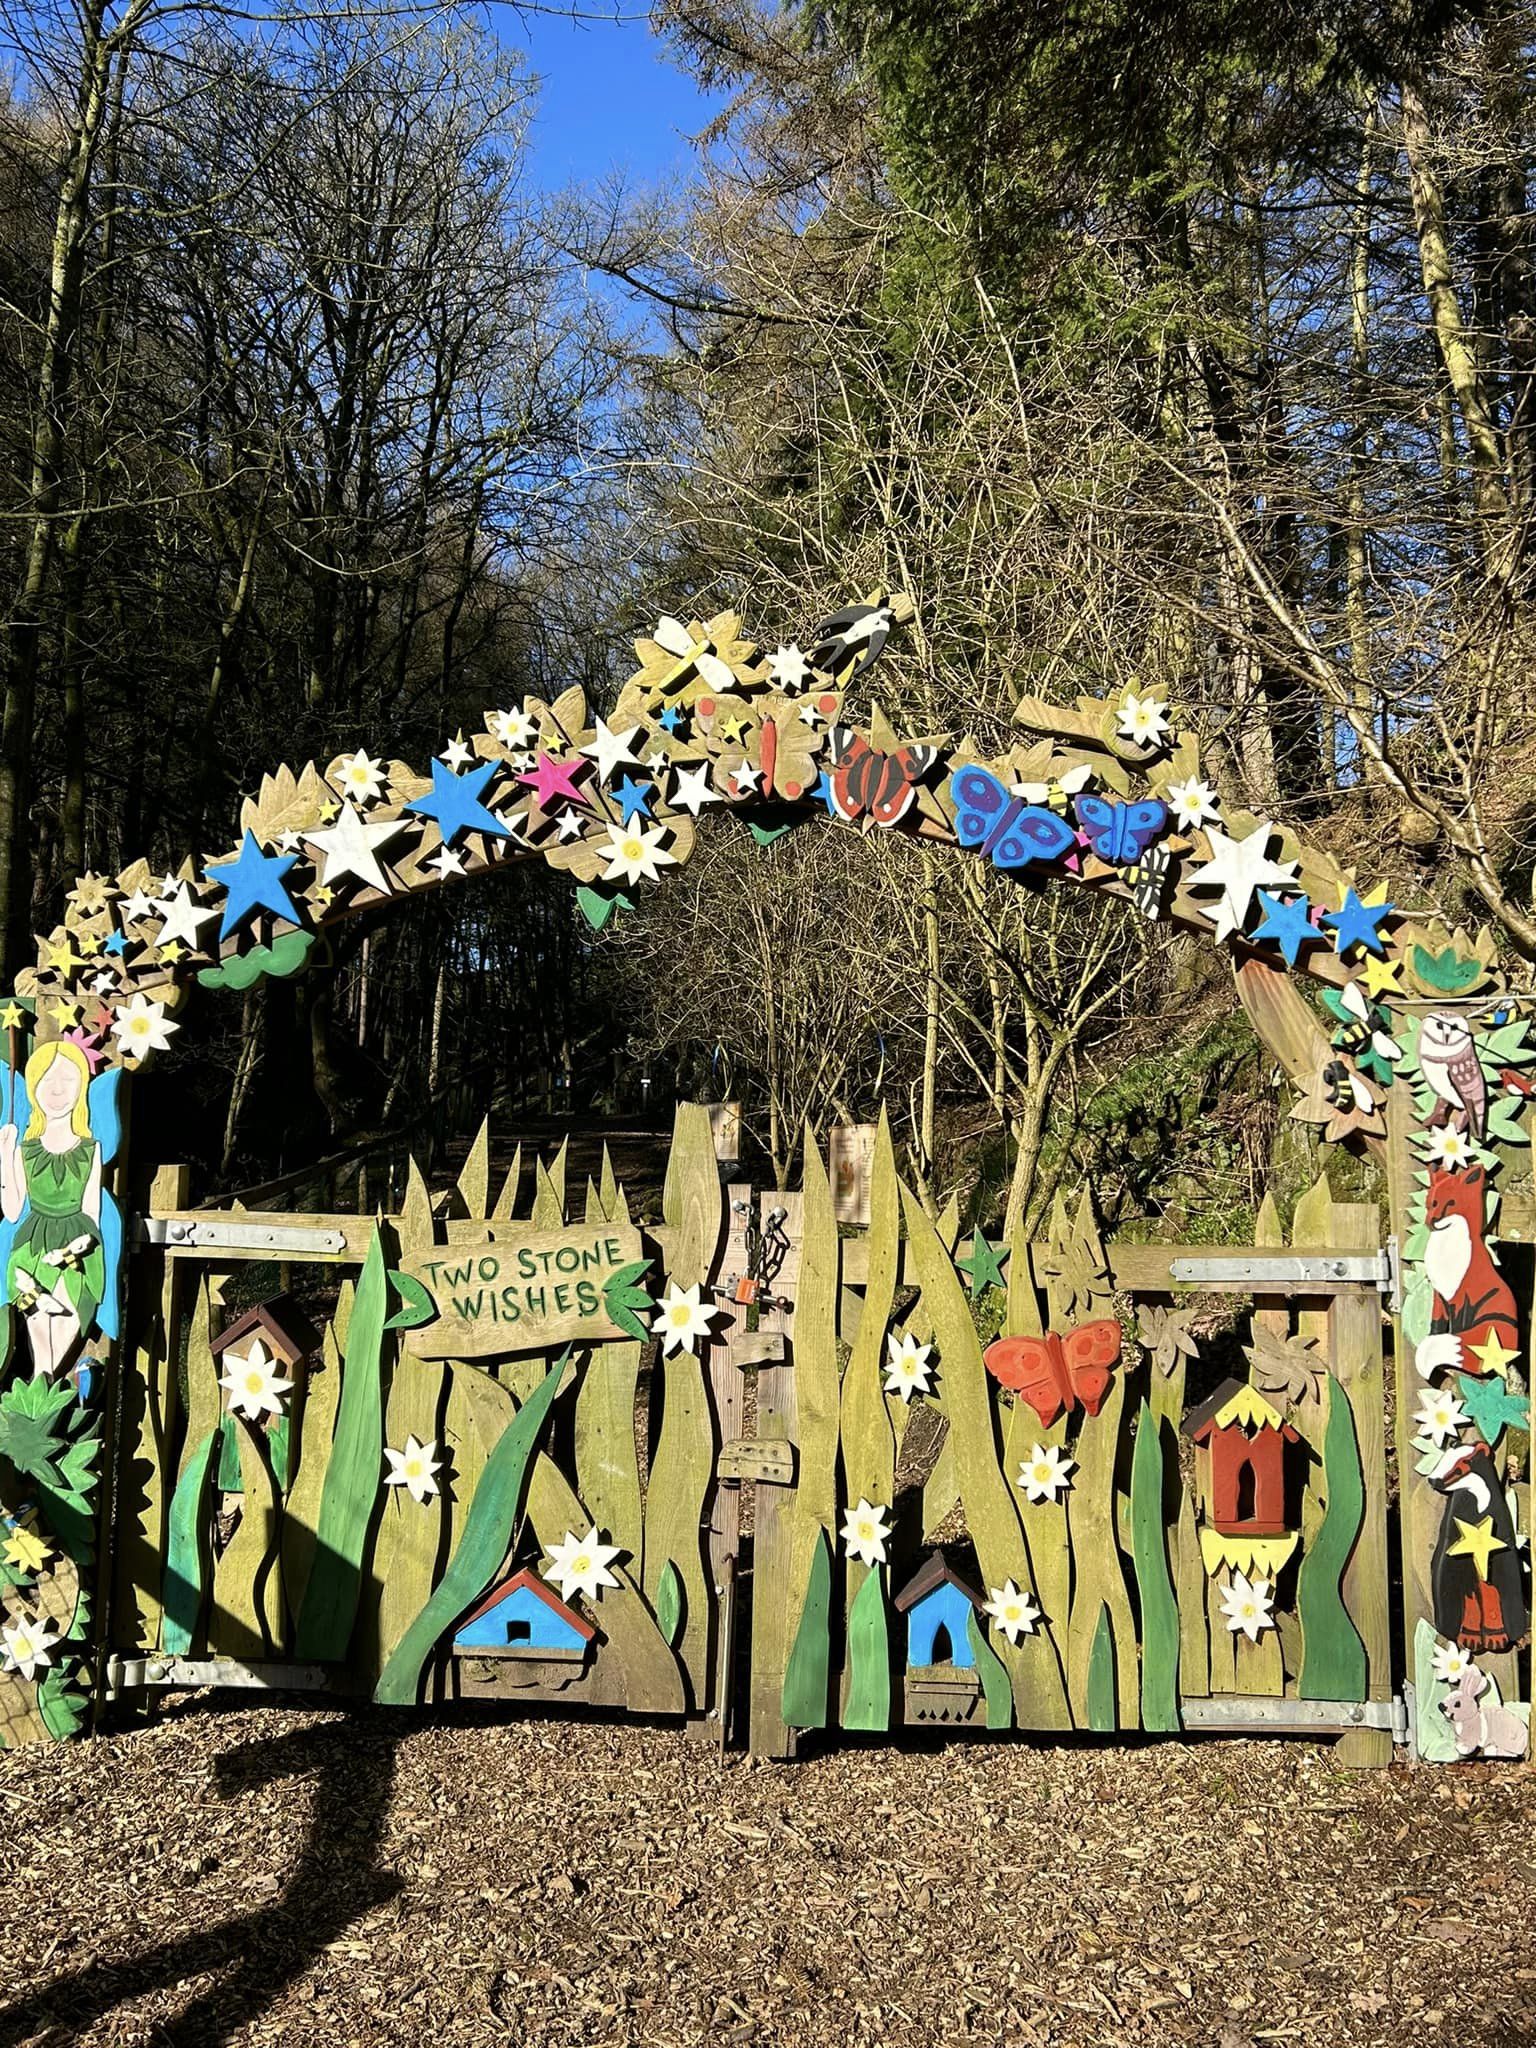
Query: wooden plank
(1355, 1348)
(727, 1382)
(311, 1428)
(189, 1544)
(408, 1545)
(868, 1702)
(1154, 1581)
(1167, 1398)
(1099, 1596)
(775, 1507)
(1419, 1506)
(683, 1469)
(817, 1394)
(1034, 1665)
(246, 1619)
(868, 1441)
(151, 1416)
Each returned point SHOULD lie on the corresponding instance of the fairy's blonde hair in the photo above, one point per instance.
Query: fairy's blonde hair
(38, 1065)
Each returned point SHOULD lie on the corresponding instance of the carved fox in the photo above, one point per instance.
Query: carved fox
(1472, 1299)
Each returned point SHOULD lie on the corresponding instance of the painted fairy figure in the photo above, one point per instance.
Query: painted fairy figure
(55, 1270)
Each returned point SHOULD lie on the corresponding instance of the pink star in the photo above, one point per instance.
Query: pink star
(87, 1045)
(553, 781)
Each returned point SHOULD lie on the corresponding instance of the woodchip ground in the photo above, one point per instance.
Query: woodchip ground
(240, 1876)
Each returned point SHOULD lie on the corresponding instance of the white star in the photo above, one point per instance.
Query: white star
(456, 754)
(350, 848)
(1237, 867)
(288, 842)
(809, 715)
(691, 790)
(789, 668)
(570, 824)
(610, 749)
(447, 861)
(658, 762)
(136, 906)
(744, 777)
(182, 915)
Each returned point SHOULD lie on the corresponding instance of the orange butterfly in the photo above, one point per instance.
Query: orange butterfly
(1057, 1374)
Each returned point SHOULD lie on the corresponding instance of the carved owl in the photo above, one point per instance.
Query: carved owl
(1449, 1063)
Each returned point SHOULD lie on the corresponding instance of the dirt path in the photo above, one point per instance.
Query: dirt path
(263, 1876)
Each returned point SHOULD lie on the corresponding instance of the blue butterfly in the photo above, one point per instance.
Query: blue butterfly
(1010, 832)
(1121, 833)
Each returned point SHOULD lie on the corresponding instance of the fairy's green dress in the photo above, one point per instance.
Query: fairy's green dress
(56, 1183)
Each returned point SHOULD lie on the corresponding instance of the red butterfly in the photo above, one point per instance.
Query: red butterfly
(866, 780)
(1057, 1374)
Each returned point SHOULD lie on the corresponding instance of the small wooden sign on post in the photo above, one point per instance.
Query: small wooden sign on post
(725, 1129)
(852, 1155)
(531, 1292)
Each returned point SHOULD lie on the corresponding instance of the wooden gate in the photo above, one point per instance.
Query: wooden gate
(739, 1465)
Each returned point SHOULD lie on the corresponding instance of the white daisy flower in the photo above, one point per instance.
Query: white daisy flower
(1192, 804)
(415, 1468)
(28, 1646)
(359, 778)
(253, 1383)
(142, 1028)
(635, 853)
(1446, 1146)
(1248, 1606)
(1046, 1473)
(1450, 1662)
(1142, 719)
(683, 1318)
(1440, 1414)
(908, 1369)
(865, 1532)
(580, 1564)
(1015, 1613)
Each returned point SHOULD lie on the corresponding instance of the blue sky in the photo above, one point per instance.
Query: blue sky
(610, 100)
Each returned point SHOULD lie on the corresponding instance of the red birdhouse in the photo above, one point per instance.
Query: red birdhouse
(1246, 1439)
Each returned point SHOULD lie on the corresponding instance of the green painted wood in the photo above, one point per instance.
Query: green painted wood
(669, 1604)
(487, 1535)
(807, 1672)
(349, 1496)
(1100, 1702)
(188, 1550)
(996, 1687)
(1154, 1582)
(683, 1469)
(1168, 1406)
(1333, 1660)
(868, 1704)
(813, 1526)
(992, 1516)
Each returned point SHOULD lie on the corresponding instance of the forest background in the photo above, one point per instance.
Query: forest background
(1180, 347)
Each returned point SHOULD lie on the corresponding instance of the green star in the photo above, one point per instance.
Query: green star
(984, 1268)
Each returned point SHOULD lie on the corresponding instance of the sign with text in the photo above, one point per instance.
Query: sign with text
(532, 1292)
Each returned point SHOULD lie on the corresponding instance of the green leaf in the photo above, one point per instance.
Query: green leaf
(1333, 1660)
(996, 1687)
(1448, 971)
(597, 906)
(670, 1599)
(282, 959)
(869, 1657)
(1103, 1717)
(419, 1307)
(804, 1703)
(622, 1298)
(187, 1551)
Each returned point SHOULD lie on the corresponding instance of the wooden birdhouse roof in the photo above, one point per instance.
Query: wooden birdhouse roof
(934, 1571)
(535, 1585)
(280, 1323)
(1235, 1404)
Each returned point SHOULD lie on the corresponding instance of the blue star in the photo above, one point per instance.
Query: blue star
(1358, 924)
(635, 798)
(453, 802)
(254, 881)
(118, 943)
(673, 719)
(1288, 925)
(821, 793)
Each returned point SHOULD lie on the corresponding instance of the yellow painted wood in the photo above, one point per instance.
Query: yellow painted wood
(652, 1680)
(682, 1472)
(607, 1460)
(817, 1399)
(246, 1621)
(1355, 1344)
(409, 1550)
(549, 1192)
(1168, 1400)
(1099, 1578)
(309, 1449)
(474, 1184)
(1034, 1666)
(553, 1278)
(506, 1201)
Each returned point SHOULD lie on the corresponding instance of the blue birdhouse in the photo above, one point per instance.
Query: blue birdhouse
(938, 1605)
(522, 1618)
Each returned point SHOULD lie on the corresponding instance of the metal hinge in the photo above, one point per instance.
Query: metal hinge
(235, 1234)
(1295, 1716)
(1292, 1270)
(185, 1674)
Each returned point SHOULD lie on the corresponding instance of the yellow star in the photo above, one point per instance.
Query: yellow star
(1478, 1542)
(172, 951)
(328, 810)
(732, 730)
(90, 945)
(25, 1550)
(64, 956)
(1383, 977)
(66, 1012)
(1492, 1356)
(322, 896)
(11, 1016)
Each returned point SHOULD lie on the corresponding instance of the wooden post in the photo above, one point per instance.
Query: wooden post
(1355, 1353)
(727, 1386)
(1418, 1504)
(773, 1509)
